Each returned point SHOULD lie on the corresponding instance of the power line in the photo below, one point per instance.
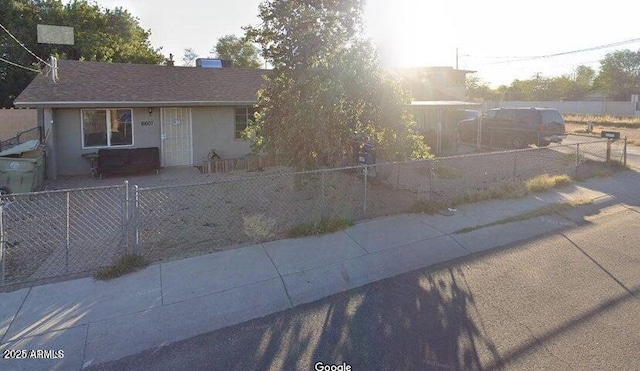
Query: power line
(593, 48)
(25, 48)
(17, 65)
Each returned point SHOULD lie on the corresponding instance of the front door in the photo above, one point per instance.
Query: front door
(176, 137)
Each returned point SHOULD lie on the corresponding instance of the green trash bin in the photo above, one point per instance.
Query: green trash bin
(22, 168)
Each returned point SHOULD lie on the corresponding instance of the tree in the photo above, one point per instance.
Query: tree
(109, 35)
(479, 90)
(326, 87)
(619, 75)
(242, 52)
(190, 56)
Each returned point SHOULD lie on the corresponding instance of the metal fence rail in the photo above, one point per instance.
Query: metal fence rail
(57, 233)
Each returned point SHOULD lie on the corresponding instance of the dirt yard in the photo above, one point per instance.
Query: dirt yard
(632, 134)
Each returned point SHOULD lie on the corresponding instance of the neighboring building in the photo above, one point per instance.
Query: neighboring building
(184, 111)
(434, 83)
(439, 95)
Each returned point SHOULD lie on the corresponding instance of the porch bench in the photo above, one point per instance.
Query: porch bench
(128, 160)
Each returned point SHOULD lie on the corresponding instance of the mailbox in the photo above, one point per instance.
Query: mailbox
(610, 134)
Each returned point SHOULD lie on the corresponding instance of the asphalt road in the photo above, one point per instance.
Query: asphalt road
(565, 301)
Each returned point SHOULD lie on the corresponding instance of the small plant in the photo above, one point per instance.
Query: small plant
(324, 225)
(126, 264)
(501, 191)
(547, 182)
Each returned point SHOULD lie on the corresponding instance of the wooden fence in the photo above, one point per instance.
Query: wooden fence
(14, 120)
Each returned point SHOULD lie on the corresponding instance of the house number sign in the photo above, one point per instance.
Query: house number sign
(147, 123)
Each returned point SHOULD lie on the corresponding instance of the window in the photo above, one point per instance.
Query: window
(244, 115)
(106, 128)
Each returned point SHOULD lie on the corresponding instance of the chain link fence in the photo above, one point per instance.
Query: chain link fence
(58, 233)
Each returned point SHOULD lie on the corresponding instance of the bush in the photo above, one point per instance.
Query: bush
(325, 225)
(126, 264)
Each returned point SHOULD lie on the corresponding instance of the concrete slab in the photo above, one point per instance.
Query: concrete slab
(69, 341)
(10, 302)
(314, 284)
(122, 336)
(389, 232)
(566, 194)
(68, 304)
(207, 274)
(504, 234)
(299, 254)
(481, 213)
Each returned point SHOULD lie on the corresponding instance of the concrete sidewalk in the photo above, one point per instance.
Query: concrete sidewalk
(95, 321)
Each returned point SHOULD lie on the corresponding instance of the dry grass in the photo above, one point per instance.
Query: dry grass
(622, 122)
(319, 227)
(546, 182)
(127, 264)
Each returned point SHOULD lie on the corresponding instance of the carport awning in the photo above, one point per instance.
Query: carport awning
(445, 104)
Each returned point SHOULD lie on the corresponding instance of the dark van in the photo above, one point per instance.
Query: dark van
(516, 127)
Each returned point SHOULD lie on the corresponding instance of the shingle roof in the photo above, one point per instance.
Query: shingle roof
(111, 84)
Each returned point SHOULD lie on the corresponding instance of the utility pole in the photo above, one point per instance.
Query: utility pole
(456, 58)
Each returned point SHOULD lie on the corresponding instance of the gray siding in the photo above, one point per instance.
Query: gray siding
(214, 127)
(68, 138)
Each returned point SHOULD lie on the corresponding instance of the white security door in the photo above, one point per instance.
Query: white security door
(176, 137)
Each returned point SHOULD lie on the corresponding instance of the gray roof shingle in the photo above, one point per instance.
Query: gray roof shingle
(84, 84)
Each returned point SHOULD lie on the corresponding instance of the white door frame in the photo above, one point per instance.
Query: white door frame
(163, 135)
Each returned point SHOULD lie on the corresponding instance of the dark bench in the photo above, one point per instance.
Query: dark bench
(128, 160)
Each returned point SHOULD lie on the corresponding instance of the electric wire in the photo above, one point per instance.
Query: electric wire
(23, 46)
(17, 65)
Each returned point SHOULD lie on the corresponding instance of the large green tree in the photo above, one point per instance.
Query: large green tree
(325, 87)
(241, 51)
(109, 35)
(619, 75)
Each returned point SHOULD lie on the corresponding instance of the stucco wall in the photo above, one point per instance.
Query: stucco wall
(69, 138)
(214, 128)
(620, 109)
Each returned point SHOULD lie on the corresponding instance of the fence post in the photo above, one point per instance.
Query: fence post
(136, 221)
(624, 152)
(323, 210)
(608, 151)
(366, 171)
(68, 242)
(431, 173)
(2, 258)
(125, 218)
(577, 158)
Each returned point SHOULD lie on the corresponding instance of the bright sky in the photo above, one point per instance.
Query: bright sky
(489, 34)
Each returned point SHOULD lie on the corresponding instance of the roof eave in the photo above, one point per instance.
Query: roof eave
(107, 104)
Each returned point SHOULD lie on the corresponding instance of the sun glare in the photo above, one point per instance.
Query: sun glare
(412, 32)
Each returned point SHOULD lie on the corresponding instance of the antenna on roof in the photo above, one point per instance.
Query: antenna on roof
(54, 69)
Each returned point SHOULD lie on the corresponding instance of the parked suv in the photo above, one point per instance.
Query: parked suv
(516, 127)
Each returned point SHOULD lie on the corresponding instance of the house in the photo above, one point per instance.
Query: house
(436, 83)
(439, 95)
(184, 111)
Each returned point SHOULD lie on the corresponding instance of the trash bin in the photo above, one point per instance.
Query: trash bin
(22, 168)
